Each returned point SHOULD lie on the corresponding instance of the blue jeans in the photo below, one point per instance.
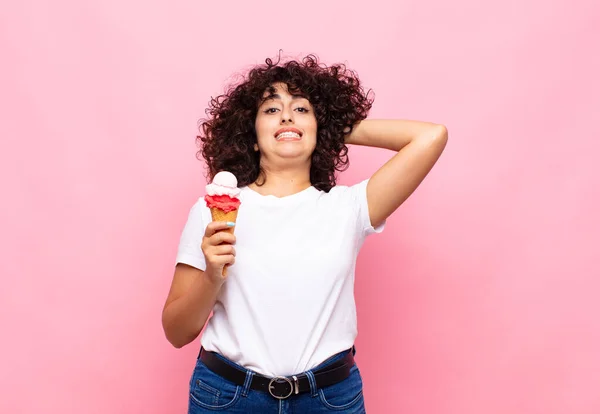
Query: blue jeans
(210, 392)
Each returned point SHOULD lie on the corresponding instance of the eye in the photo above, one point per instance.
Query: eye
(302, 109)
(270, 110)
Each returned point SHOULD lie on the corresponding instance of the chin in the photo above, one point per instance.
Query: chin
(293, 155)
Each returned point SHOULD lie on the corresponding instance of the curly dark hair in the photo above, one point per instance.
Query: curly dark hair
(227, 137)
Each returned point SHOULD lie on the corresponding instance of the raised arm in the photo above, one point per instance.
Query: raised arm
(419, 146)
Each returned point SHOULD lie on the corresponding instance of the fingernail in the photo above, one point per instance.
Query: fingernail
(230, 224)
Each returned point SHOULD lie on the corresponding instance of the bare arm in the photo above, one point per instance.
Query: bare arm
(419, 146)
(190, 301)
(194, 292)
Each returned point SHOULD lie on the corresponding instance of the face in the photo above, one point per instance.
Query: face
(286, 127)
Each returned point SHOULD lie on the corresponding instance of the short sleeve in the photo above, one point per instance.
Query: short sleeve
(359, 192)
(190, 251)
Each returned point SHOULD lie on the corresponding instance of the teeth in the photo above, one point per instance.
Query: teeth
(287, 135)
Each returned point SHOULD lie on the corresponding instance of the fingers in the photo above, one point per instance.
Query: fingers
(216, 226)
(217, 245)
(215, 235)
(223, 250)
(221, 237)
(220, 261)
(220, 255)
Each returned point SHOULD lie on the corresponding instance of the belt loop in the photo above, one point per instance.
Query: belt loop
(249, 375)
(313, 383)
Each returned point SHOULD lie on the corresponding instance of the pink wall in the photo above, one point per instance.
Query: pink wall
(481, 295)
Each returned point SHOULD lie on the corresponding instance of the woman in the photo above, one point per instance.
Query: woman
(284, 318)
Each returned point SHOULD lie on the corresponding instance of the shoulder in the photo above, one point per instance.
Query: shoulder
(199, 211)
(199, 205)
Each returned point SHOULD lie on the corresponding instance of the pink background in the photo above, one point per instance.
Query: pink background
(480, 297)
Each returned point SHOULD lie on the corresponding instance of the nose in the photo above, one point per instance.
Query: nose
(286, 116)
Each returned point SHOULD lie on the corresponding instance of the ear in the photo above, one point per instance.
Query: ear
(255, 147)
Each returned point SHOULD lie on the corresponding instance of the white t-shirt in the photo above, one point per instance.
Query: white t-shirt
(288, 302)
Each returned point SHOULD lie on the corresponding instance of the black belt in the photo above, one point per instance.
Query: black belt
(281, 387)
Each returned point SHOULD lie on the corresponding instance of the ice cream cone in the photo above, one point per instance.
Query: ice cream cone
(220, 215)
(222, 198)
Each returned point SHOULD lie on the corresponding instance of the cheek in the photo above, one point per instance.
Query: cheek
(258, 125)
(262, 128)
(313, 124)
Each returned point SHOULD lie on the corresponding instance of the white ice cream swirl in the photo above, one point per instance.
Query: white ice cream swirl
(224, 183)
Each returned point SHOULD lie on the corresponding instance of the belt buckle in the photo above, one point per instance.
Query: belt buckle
(280, 380)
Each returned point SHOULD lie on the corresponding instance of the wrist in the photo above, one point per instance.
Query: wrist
(214, 278)
(354, 137)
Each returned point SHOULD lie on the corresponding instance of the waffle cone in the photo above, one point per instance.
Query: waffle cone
(220, 215)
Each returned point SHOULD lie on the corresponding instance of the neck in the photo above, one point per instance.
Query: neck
(282, 183)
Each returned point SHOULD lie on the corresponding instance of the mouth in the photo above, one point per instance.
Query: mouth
(288, 134)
